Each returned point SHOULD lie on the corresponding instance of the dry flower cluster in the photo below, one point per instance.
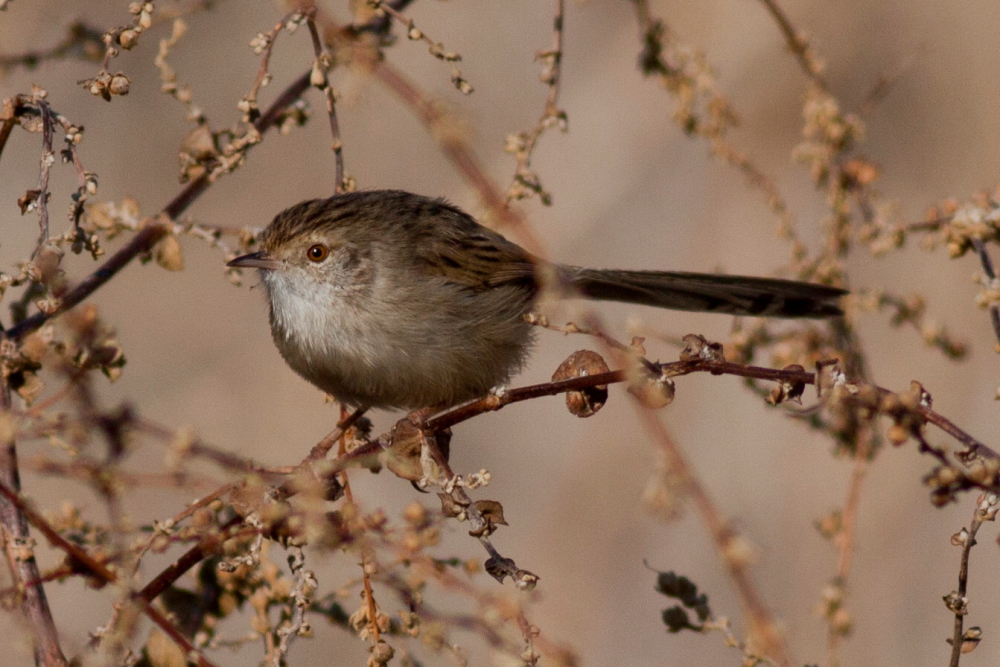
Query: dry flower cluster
(248, 519)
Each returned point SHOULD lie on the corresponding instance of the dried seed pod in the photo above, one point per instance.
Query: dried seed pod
(450, 507)
(583, 402)
(119, 84)
(492, 513)
(788, 391)
(699, 347)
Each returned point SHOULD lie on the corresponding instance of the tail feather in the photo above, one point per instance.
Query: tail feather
(702, 292)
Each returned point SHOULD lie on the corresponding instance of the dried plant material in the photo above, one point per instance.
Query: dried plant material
(585, 402)
(168, 253)
(788, 391)
(491, 513)
(499, 568)
(830, 376)
(698, 348)
(450, 507)
(970, 639)
(525, 581)
(198, 153)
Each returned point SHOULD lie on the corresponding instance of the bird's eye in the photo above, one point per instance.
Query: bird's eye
(317, 253)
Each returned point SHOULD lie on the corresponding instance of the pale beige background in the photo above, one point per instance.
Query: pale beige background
(629, 190)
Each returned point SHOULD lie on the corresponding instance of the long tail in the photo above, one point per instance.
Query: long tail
(703, 292)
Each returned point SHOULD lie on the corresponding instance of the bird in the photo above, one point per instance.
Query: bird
(390, 299)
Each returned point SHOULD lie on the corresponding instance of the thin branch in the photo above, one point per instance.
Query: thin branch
(206, 547)
(436, 49)
(847, 533)
(957, 602)
(320, 79)
(987, 264)
(526, 182)
(34, 602)
(366, 557)
(48, 159)
(797, 44)
(81, 41)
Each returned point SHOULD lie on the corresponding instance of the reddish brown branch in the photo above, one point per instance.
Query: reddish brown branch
(34, 602)
(957, 602)
(205, 548)
(675, 369)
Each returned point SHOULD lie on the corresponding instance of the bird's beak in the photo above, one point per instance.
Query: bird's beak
(255, 260)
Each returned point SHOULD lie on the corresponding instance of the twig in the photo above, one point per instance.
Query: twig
(321, 448)
(845, 536)
(703, 111)
(436, 49)
(305, 583)
(321, 80)
(263, 44)
(349, 498)
(48, 159)
(34, 602)
(797, 44)
(674, 369)
(987, 263)
(460, 155)
(81, 41)
(522, 145)
(206, 547)
(956, 601)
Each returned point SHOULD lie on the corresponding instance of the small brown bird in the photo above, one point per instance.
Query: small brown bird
(388, 299)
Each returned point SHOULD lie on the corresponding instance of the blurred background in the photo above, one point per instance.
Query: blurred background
(629, 190)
